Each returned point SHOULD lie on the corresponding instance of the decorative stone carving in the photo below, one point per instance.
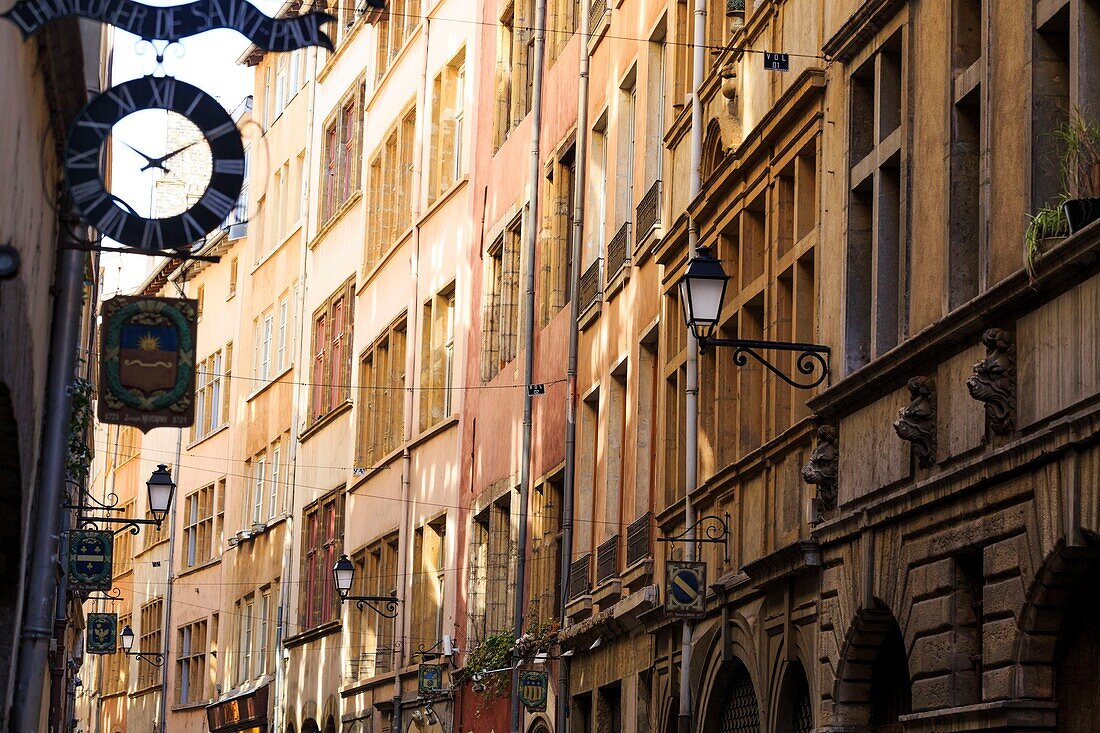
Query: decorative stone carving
(821, 469)
(916, 421)
(729, 82)
(994, 380)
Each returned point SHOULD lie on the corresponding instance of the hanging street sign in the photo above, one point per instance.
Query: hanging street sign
(536, 389)
(177, 22)
(147, 362)
(533, 690)
(102, 633)
(685, 589)
(777, 61)
(90, 552)
(429, 679)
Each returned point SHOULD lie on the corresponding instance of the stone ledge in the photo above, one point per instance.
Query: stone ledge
(1016, 716)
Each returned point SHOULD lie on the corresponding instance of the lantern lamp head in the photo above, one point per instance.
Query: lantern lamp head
(127, 638)
(342, 574)
(161, 488)
(702, 290)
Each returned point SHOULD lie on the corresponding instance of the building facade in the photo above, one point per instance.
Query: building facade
(909, 545)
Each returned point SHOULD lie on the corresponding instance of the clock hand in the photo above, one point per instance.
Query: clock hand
(159, 162)
(177, 152)
(151, 160)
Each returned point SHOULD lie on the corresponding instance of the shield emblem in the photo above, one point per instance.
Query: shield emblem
(148, 357)
(90, 559)
(102, 633)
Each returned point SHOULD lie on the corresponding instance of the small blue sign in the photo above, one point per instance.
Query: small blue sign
(685, 589)
(429, 678)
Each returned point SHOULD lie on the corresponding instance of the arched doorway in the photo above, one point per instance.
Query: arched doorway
(794, 713)
(732, 705)
(310, 726)
(873, 686)
(1077, 661)
(330, 725)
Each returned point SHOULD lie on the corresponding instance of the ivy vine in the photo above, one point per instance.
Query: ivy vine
(80, 422)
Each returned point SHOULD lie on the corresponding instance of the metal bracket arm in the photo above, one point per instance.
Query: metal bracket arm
(388, 609)
(811, 357)
(157, 660)
(717, 531)
(134, 525)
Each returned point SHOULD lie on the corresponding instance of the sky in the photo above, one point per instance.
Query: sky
(209, 61)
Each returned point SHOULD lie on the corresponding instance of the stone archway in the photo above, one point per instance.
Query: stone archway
(873, 686)
(310, 726)
(794, 713)
(732, 706)
(1060, 638)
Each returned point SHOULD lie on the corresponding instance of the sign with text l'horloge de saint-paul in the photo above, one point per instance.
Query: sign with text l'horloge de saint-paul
(147, 362)
(176, 22)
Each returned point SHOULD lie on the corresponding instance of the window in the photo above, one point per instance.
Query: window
(504, 78)
(491, 569)
(558, 250)
(615, 453)
(877, 315)
(437, 358)
(198, 531)
(127, 444)
(429, 548)
(561, 23)
(332, 331)
(246, 618)
(200, 299)
(154, 535)
(624, 163)
(283, 353)
(390, 189)
(264, 338)
(501, 320)
(543, 584)
(394, 31)
(232, 278)
(191, 663)
(382, 387)
(265, 620)
(273, 506)
(596, 208)
(259, 487)
(588, 460)
(219, 516)
(343, 140)
(151, 641)
(448, 98)
(373, 635)
(323, 539)
(123, 555)
(212, 380)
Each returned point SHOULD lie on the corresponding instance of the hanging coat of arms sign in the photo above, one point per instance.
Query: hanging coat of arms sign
(147, 362)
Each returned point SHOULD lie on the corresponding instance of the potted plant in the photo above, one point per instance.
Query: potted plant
(1049, 222)
(1079, 139)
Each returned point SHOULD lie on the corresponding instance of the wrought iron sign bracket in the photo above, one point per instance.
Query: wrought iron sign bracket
(387, 608)
(110, 503)
(113, 596)
(811, 357)
(714, 529)
(133, 525)
(157, 660)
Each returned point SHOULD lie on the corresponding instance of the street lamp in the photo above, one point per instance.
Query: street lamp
(127, 639)
(702, 290)
(343, 574)
(161, 488)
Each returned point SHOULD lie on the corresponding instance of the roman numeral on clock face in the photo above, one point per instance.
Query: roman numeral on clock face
(192, 230)
(84, 192)
(163, 91)
(217, 203)
(124, 99)
(150, 233)
(231, 167)
(87, 160)
(223, 129)
(111, 222)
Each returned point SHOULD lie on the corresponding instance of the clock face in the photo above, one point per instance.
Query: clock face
(99, 208)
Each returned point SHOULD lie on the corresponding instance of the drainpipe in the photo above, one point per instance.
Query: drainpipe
(278, 709)
(538, 24)
(44, 542)
(581, 158)
(691, 401)
(411, 320)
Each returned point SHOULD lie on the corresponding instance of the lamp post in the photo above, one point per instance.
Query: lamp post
(702, 290)
(343, 574)
(161, 488)
(127, 638)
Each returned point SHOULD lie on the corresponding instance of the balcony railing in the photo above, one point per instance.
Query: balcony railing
(618, 252)
(590, 285)
(607, 560)
(580, 572)
(596, 12)
(638, 543)
(649, 212)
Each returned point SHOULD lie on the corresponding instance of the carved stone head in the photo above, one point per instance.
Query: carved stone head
(916, 421)
(994, 380)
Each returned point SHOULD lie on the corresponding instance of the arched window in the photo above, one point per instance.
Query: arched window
(890, 684)
(714, 150)
(732, 707)
(795, 714)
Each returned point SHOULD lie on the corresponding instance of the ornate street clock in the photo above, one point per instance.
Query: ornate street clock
(109, 214)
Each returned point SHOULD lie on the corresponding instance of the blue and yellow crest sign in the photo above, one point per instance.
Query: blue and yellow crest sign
(90, 559)
(102, 633)
(533, 690)
(147, 362)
